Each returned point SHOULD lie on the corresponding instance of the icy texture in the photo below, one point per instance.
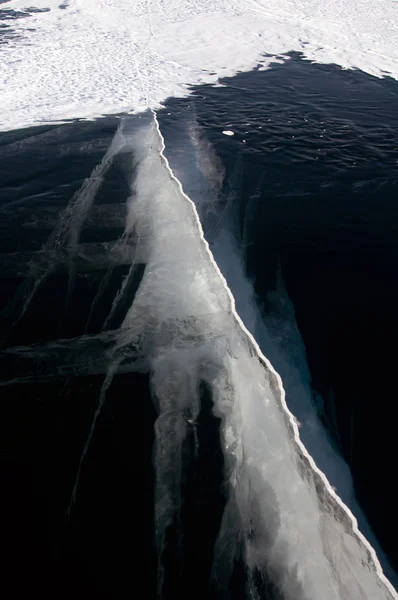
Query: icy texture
(202, 175)
(183, 321)
(93, 57)
(182, 326)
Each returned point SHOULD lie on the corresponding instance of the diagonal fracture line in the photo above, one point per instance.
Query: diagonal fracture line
(267, 364)
(67, 233)
(105, 386)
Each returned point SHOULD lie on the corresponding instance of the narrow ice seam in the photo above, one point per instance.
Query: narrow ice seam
(267, 364)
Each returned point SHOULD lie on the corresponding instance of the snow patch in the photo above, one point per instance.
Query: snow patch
(112, 56)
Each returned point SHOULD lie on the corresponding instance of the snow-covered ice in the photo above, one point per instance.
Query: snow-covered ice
(98, 57)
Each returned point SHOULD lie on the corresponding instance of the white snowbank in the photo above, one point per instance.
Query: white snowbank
(98, 57)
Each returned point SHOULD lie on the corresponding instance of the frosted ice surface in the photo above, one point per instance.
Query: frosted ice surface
(182, 325)
(201, 174)
(109, 56)
(183, 319)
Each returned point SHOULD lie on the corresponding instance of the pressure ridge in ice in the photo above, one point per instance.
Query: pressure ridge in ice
(281, 515)
(95, 57)
(281, 509)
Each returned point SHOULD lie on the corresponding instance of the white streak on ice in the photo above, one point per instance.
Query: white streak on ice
(62, 245)
(271, 474)
(183, 324)
(201, 174)
(281, 506)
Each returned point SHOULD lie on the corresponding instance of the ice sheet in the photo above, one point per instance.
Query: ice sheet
(282, 515)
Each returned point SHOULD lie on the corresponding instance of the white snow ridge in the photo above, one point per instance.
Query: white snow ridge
(184, 326)
(281, 514)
